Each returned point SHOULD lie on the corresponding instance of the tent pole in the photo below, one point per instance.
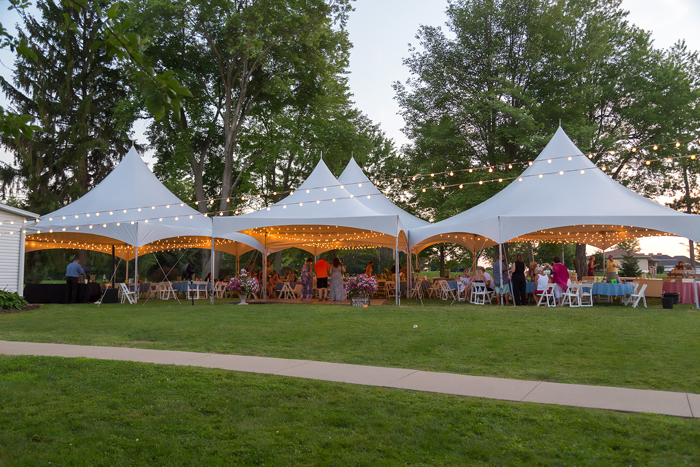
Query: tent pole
(137, 287)
(211, 282)
(397, 270)
(500, 279)
(238, 262)
(114, 271)
(409, 270)
(264, 268)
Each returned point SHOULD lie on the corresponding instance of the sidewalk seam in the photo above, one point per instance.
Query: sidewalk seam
(530, 391)
(690, 406)
(405, 376)
(305, 362)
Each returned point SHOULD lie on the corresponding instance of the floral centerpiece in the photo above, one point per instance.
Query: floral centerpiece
(361, 286)
(243, 285)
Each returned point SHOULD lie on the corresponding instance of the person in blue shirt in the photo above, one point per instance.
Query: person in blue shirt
(73, 270)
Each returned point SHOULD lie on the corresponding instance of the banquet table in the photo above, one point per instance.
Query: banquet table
(685, 289)
(612, 290)
(182, 286)
(143, 287)
(56, 293)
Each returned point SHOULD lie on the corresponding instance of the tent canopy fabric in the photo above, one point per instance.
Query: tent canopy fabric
(318, 216)
(562, 197)
(130, 207)
(356, 182)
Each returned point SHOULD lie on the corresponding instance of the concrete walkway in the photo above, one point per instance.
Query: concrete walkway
(597, 397)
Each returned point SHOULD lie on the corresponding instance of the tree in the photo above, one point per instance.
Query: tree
(484, 100)
(630, 246)
(76, 94)
(243, 60)
(630, 266)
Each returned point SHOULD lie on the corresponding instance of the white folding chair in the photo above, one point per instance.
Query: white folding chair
(390, 289)
(572, 296)
(286, 293)
(126, 294)
(446, 292)
(434, 290)
(548, 296)
(586, 294)
(626, 299)
(479, 293)
(635, 297)
(219, 290)
(194, 289)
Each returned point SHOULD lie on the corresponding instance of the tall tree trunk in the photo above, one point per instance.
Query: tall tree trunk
(580, 263)
(688, 203)
(278, 263)
(530, 252)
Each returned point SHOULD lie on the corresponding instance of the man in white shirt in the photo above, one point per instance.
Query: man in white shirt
(489, 280)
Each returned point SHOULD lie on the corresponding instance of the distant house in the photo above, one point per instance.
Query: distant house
(12, 220)
(644, 260)
(669, 262)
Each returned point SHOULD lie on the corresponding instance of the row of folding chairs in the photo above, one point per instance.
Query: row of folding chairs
(577, 295)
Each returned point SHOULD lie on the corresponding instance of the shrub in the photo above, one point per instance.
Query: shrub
(12, 300)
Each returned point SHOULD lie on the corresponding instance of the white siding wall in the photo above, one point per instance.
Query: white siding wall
(10, 251)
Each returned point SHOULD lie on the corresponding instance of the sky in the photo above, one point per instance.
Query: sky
(381, 31)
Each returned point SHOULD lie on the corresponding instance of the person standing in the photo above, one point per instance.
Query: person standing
(73, 270)
(560, 277)
(500, 278)
(519, 282)
(368, 269)
(307, 285)
(321, 268)
(591, 266)
(337, 287)
(612, 267)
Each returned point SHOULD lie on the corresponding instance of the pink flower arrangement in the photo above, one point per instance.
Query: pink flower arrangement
(360, 286)
(244, 284)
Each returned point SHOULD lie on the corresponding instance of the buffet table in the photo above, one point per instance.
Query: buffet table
(684, 289)
(56, 293)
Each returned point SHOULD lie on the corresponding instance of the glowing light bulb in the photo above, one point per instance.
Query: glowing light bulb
(318, 201)
(481, 182)
(678, 145)
(423, 190)
(570, 158)
(118, 224)
(634, 149)
(529, 163)
(520, 179)
(648, 162)
(549, 161)
(64, 217)
(561, 172)
(490, 169)
(582, 172)
(540, 175)
(655, 147)
(461, 186)
(334, 200)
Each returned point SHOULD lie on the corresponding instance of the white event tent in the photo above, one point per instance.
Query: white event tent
(319, 216)
(357, 183)
(561, 197)
(129, 213)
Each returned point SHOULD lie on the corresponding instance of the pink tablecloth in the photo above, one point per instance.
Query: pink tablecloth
(683, 288)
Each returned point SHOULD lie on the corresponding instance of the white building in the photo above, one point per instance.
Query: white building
(12, 221)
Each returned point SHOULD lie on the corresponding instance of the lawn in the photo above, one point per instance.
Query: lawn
(604, 345)
(82, 412)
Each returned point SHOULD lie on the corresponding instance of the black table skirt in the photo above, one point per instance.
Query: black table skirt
(56, 293)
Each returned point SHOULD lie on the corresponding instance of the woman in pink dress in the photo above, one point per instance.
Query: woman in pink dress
(560, 277)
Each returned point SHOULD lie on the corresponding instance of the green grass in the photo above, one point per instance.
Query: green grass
(78, 412)
(604, 345)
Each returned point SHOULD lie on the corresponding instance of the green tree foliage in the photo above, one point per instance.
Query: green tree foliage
(629, 267)
(491, 92)
(630, 246)
(241, 59)
(76, 94)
